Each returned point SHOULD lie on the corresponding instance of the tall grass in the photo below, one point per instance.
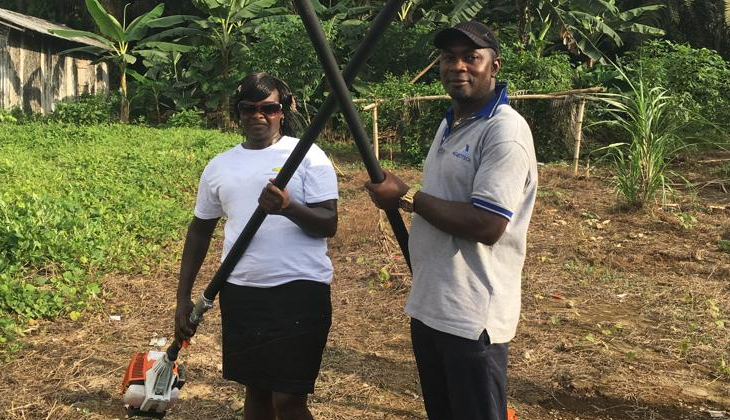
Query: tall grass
(651, 121)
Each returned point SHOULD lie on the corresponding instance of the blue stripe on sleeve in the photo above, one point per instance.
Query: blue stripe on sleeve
(491, 207)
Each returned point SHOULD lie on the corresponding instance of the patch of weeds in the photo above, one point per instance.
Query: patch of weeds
(388, 164)
(723, 367)
(630, 356)
(684, 347)
(723, 171)
(591, 339)
(723, 245)
(686, 220)
(589, 215)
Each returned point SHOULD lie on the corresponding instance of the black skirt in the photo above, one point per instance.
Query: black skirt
(273, 338)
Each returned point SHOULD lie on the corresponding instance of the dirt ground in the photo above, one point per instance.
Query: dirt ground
(626, 315)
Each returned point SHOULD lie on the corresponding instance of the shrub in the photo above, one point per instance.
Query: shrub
(189, 118)
(84, 110)
(6, 116)
(698, 78)
(409, 57)
(414, 124)
(548, 120)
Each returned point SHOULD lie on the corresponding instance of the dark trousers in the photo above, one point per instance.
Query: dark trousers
(461, 379)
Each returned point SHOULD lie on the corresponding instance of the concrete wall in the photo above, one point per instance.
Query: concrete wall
(34, 76)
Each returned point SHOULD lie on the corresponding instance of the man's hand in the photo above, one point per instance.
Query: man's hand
(273, 200)
(385, 195)
(183, 328)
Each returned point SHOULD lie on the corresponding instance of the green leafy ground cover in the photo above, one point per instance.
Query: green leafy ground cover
(79, 202)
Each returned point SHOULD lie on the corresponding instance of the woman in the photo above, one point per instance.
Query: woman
(275, 306)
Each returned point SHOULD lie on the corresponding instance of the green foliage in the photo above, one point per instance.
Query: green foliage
(84, 110)
(650, 121)
(123, 43)
(78, 202)
(414, 124)
(6, 116)
(548, 120)
(525, 71)
(409, 57)
(286, 52)
(698, 78)
(187, 118)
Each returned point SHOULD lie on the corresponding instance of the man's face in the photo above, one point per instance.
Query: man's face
(467, 73)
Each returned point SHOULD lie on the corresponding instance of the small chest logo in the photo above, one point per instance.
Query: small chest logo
(463, 154)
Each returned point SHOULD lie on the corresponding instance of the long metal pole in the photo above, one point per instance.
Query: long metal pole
(342, 93)
(379, 25)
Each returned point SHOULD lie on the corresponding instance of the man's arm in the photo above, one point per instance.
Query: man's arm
(315, 219)
(197, 242)
(462, 220)
(456, 218)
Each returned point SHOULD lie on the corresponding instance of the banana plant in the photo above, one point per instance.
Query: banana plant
(584, 26)
(164, 84)
(595, 22)
(456, 11)
(123, 43)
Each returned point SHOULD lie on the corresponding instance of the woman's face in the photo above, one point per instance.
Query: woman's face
(261, 120)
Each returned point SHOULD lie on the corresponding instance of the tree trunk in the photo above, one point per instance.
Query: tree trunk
(226, 100)
(124, 103)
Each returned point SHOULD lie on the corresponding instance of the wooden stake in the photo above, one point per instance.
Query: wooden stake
(376, 146)
(578, 134)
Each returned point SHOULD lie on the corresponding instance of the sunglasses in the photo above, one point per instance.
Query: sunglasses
(267, 108)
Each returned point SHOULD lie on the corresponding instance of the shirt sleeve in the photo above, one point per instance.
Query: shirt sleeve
(320, 180)
(208, 203)
(501, 178)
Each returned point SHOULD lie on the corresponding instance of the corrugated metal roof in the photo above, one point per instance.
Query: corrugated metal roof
(15, 19)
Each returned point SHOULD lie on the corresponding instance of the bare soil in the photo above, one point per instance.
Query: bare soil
(626, 315)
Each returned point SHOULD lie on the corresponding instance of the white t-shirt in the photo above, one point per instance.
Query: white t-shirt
(280, 251)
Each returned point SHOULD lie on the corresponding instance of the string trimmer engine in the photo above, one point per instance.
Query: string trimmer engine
(148, 391)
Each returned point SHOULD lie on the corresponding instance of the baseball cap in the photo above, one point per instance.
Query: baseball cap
(477, 32)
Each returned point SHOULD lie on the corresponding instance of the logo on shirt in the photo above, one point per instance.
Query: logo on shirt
(277, 169)
(463, 154)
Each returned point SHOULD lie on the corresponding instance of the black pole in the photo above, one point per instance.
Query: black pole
(305, 142)
(342, 93)
(380, 23)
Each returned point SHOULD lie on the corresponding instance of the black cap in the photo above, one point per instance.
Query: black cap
(478, 33)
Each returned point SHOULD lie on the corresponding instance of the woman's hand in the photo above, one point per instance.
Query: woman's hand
(273, 200)
(183, 328)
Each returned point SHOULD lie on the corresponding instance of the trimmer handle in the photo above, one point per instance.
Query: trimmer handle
(202, 305)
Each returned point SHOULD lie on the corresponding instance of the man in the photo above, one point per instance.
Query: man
(468, 234)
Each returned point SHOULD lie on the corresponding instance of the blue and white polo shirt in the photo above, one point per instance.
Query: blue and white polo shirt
(463, 287)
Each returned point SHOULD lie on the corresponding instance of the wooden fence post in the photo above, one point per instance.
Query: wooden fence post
(578, 133)
(376, 146)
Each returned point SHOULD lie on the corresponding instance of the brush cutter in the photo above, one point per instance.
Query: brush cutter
(153, 380)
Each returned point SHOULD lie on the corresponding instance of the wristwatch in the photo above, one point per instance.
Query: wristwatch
(405, 203)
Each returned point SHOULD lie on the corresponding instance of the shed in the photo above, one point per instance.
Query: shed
(33, 76)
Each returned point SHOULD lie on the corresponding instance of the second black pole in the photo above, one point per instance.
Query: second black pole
(340, 90)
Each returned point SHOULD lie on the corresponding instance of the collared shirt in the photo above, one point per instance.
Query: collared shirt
(463, 287)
